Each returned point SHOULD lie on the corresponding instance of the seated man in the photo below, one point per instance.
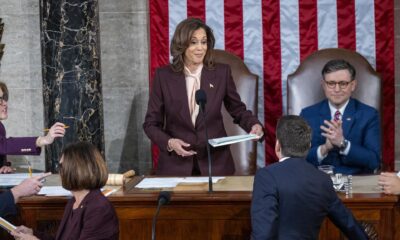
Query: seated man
(28, 187)
(291, 198)
(346, 132)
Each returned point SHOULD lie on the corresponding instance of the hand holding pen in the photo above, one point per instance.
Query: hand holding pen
(57, 130)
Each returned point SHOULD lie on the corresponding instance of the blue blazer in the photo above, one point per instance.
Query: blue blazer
(292, 198)
(7, 205)
(360, 126)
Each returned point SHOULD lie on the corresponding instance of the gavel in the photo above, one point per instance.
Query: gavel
(119, 179)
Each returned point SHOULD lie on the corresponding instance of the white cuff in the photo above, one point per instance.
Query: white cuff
(319, 155)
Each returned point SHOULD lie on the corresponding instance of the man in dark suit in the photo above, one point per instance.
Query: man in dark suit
(28, 187)
(291, 198)
(346, 132)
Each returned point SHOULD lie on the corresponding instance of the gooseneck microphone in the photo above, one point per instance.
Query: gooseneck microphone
(201, 100)
(163, 199)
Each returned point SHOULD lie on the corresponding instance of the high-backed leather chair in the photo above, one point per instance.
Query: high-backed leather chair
(245, 153)
(304, 85)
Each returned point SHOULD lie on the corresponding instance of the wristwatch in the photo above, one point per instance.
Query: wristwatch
(343, 144)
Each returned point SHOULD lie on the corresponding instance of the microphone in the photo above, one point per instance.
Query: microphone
(163, 199)
(201, 100)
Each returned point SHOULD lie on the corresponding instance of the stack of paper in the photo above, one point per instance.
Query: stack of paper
(216, 142)
(166, 182)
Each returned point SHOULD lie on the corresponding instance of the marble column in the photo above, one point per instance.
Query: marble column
(71, 73)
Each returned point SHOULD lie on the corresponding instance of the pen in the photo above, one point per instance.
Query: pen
(48, 129)
(29, 168)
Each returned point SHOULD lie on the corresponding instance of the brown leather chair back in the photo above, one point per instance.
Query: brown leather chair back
(244, 154)
(304, 85)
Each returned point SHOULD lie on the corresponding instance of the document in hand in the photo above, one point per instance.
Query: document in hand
(216, 142)
(6, 225)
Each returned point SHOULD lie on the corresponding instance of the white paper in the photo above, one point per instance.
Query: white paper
(200, 179)
(216, 142)
(157, 183)
(13, 179)
(54, 191)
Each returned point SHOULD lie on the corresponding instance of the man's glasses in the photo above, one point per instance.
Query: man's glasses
(3, 100)
(342, 84)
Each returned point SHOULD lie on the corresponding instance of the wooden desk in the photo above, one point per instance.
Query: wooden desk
(200, 215)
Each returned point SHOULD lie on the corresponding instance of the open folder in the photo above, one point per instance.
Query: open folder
(216, 142)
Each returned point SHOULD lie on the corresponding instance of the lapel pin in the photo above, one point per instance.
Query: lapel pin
(211, 86)
(348, 119)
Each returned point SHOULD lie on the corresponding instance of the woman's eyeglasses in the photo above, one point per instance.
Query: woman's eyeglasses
(3, 99)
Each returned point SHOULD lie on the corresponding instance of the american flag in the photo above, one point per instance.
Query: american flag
(273, 37)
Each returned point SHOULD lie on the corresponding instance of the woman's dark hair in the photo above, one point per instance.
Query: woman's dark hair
(82, 167)
(181, 41)
(4, 89)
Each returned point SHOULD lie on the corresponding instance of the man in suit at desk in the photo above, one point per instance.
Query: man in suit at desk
(291, 198)
(28, 187)
(346, 132)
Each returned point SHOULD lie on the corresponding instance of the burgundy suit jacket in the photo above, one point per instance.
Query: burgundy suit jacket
(94, 219)
(16, 146)
(168, 117)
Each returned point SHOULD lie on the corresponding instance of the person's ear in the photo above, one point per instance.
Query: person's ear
(277, 148)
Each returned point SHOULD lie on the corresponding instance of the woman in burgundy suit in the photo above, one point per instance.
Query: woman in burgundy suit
(173, 121)
(21, 145)
(89, 214)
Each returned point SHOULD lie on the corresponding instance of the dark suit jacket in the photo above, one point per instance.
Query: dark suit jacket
(168, 117)
(16, 146)
(360, 126)
(292, 198)
(95, 219)
(7, 205)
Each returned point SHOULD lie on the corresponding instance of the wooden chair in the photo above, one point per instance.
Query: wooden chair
(244, 154)
(304, 85)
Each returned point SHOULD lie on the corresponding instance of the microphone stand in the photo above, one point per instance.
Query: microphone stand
(163, 198)
(210, 185)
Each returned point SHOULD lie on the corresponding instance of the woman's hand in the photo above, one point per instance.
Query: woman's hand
(57, 130)
(6, 169)
(390, 183)
(177, 145)
(257, 130)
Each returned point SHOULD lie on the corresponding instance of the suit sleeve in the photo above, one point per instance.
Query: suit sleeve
(154, 119)
(264, 207)
(367, 154)
(7, 205)
(345, 221)
(19, 146)
(235, 106)
(312, 156)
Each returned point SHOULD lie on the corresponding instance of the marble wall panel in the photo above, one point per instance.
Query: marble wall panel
(21, 70)
(124, 50)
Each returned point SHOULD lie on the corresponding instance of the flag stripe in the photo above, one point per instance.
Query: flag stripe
(233, 15)
(290, 43)
(327, 24)
(384, 21)
(346, 24)
(272, 74)
(308, 17)
(159, 47)
(216, 21)
(196, 9)
(253, 32)
(177, 13)
(365, 30)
